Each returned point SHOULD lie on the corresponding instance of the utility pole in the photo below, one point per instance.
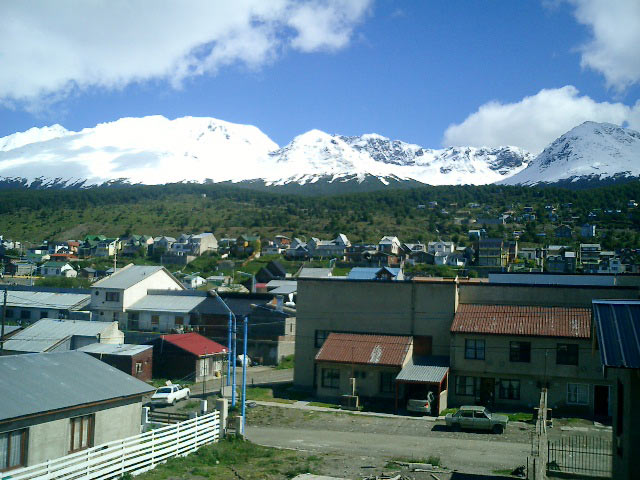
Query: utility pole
(4, 316)
(235, 357)
(115, 258)
(244, 372)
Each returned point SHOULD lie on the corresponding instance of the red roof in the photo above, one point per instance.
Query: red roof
(567, 322)
(194, 343)
(384, 350)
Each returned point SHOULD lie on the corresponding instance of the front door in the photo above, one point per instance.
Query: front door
(486, 391)
(601, 401)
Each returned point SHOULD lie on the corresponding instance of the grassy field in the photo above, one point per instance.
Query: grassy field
(286, 363)
(234, 458)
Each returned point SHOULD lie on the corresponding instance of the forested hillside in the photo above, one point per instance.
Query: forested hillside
(227, 210)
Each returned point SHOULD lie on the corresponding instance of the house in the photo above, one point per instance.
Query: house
(335, 248)
(136, 245)
(272, 249)
(58, 269)
(362, 253)
(491, 221)
(135, 360)
(203, 243)
(29, 304)
(20, 269)
(89, 273)
(55, 404)
(246, 244)
(563, 231)
(311, 272)
(193, 281)
(107, 247)
(48, 335)
(112, 296)
(441, 247)
(565, 262)
(38, 254)
(590, 257)
(588, 230)
(163, 243)
(503, 354)
(611, 265)
(375, 273)
(616, 325)
(187, 355)
(477, 234)
(390, 245)
(492, 253)
(297, 249)
(440, 258)
(271, 271)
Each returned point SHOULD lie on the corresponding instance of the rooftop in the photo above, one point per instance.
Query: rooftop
(383, 350)
(124, 349)
(37, 383)
(617, 324)
(47, 300)
(427, 369)
(130, 275)
(569, 322)
(194, 343)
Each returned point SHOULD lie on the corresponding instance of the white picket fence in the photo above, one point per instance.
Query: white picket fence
(132, 455)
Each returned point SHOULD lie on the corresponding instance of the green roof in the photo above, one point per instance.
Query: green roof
(55, 264)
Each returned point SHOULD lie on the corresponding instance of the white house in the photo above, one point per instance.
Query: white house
(58, 269)
(389, 244)
(193, 281)
(111, 296)
(441, 247)
(329, 248)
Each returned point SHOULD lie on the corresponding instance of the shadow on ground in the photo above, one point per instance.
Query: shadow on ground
(473, 476)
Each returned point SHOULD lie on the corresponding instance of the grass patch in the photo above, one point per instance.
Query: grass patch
(189, 406)
(322, 404)
(519, 416)
(285, 363)
(502, 471)
(431, 459)
(448, 410)
(265, 395)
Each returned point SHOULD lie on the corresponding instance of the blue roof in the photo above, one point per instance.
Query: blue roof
(617, 324)
(369, 273)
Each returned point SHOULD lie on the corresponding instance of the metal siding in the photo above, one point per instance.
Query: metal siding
(50, 300)
(424, 370)
(618, 331)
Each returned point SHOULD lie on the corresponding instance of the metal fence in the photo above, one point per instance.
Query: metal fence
(580, 455)
(132, 455)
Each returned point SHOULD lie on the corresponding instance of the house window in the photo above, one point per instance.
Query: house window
(386, 382)
(578, 393)
(321, 336)
(155, 319)
(474, 349)
(567, 354)
(13, 449)
(509, 389)
(520, 352)
(112, 296)
(9, 313)
(330, 378)
(465, 385)
(179, 321)
(204, 367)
(138, 368)
(81, 433)
(25, 314)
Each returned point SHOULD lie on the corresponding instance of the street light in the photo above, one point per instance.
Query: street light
(231, 346)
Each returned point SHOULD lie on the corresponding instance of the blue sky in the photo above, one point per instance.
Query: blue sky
(407, 70)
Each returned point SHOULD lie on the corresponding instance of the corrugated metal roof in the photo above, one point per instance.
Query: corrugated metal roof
(124, 349)
(45, 333)
(431, 369)
(129, 276)
(194, 343)
(309, 272)
(383, 350)
(617, 325)
(10, 328)
(43, 382)
(47, 300)
(521, 320)
(284, 290)
(168, 303)
(369, 273)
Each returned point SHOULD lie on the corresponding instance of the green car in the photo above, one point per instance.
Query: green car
(476, 418)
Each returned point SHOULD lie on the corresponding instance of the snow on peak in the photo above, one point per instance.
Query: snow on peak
(32, 135)
(589, 151)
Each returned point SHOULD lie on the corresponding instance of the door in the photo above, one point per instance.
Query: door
(487, 389)
(466, 419)
(481, 421)
(601, 401)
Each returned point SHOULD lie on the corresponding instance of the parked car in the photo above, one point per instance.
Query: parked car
(417, 405)
(477, 418)
(170, 394)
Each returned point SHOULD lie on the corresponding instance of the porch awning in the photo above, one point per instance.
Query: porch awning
(431, 369)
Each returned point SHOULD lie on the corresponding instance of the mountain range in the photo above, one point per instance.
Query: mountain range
(156, 150)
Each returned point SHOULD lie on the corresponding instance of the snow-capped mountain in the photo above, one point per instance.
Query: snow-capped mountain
(589, 152)
(155, 150)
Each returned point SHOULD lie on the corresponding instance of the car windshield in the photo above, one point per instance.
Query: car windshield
(487, 412)
(164, 390)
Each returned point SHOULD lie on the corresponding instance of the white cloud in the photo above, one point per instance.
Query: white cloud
(614, 49)
(49, 49)
(535, 121)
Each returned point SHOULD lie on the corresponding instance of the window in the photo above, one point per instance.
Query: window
(138, 368)
(567, 354)
(509, 389)
(9, 313)
(81, 433)
(25, 314)
(155, 319)
(321, 336)
(204, 367)
(387, 382)
(13, 450)
(330, 378)
(44, 314)
(112, 296)
(520, 352)
(474, 349)
(361, 374)
(179, 321)
(466, 385)
(578, 393)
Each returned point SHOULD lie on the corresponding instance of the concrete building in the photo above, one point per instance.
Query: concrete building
(492, 253)
(425, 308)
(48, 335)
(42, 418)
(135, 360)
(113, 295)
(616, 326)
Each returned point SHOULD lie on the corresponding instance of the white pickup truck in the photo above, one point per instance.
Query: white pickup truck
(170, 394)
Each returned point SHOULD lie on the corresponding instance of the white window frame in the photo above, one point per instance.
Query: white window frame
(577, 397)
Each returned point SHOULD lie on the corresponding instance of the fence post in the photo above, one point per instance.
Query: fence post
(124, 456)
(153, 448)
(178, 438)
(195, 446)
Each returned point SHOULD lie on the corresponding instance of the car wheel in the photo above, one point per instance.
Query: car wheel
(188, 395)
(173, 403)
(498, 429)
